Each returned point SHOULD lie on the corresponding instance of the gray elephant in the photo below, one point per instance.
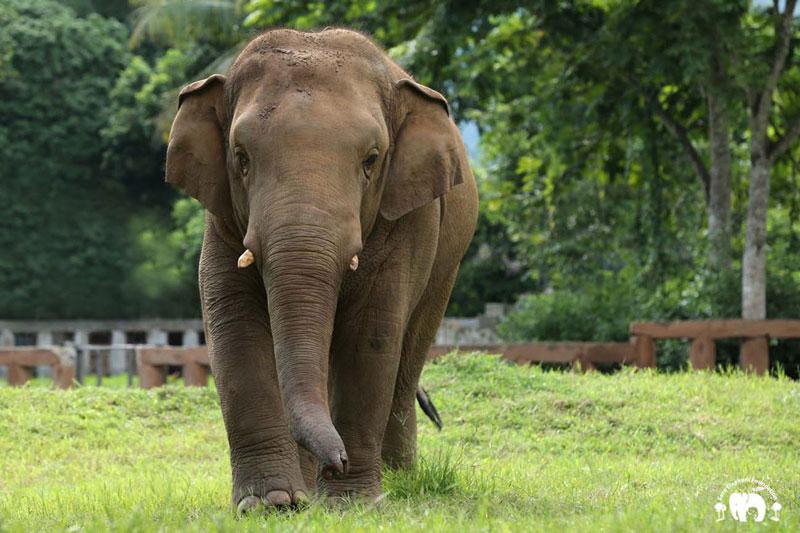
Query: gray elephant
(339, 205)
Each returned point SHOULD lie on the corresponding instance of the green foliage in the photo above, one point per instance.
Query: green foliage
(390, 23)
(135, 135)
(603, 312)
(575, 452)
(63, 239)
(600, 312)
(186, 22)
(588, 201)
(118, 9)
(87, 231)
(491, 271)
(164, 276)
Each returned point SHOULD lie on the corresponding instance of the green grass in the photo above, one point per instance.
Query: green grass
(119, 381)
(522, 449)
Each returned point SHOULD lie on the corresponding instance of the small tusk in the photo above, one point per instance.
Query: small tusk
(354, 263)
(246, 259)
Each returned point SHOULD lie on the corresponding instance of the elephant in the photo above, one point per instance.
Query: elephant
(740, 503)
(339, 204)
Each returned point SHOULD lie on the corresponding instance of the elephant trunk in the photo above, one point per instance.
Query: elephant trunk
(302, 272)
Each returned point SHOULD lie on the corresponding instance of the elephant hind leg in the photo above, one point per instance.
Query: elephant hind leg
(400, 438)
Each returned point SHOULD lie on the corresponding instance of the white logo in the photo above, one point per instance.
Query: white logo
(748, 498)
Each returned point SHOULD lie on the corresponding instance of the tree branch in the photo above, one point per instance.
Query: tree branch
(778, 148)
(784, 34)
(680, 133)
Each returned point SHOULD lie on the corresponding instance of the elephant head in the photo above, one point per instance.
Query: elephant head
(300, 148)
(740, 504)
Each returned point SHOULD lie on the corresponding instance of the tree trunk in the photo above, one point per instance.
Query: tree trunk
(719, 191)
(754, 261)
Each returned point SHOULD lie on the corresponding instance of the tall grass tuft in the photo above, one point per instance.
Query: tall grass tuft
(441, 473)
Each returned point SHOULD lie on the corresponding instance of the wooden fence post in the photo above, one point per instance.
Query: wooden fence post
(703, 354)
(18, 375)
(194, 374)
(150, 375)
(63, 375)
(754, 355)
(583, 363)
(645, 348)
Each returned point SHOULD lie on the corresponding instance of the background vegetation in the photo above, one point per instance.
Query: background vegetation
(521, 450)
(637, 159)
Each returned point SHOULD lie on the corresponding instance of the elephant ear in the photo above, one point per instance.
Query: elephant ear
(429, 157)
(196, 151)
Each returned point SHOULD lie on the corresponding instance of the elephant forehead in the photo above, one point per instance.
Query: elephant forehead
(334, 49)
(270, 106)
(265, 85)
(305, 70)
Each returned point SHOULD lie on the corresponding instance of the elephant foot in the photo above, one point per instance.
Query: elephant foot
(276, 500)
(362, 484)
(343, 502)
(262, 487)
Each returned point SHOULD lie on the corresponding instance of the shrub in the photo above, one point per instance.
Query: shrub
(603, 312)
(599, 313)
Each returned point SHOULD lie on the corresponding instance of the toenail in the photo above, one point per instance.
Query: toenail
(248, 504)
(279, 498)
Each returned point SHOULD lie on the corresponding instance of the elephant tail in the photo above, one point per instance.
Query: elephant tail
(428, 408)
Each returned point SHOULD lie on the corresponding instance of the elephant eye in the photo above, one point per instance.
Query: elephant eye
(369, 162)
(243, 162)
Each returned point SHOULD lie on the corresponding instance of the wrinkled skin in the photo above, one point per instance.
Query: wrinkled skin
(314, 148)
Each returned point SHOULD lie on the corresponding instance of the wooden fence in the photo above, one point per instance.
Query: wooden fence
(755, 335)
(21, 361)
(580, 355)
(152, 363)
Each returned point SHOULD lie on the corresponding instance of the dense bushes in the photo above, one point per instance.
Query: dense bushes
(599, 313)
(86, 228)
(63, 237)
(603, 312)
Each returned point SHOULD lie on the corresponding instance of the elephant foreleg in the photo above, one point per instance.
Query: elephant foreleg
(400, 438)
(363, 377)
(368, 339)
(264, 461)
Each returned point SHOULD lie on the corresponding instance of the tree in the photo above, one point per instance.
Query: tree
(677, 56)
(187, 22)
(728, 53)
(118, 9)
(609, 129)
(762, 89)
(63, 231)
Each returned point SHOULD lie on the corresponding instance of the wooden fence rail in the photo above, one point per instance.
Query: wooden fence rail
(21, 360)
(585, 355)
(152, 362)
(755, 335)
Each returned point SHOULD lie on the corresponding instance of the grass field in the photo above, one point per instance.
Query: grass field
(522, 449)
